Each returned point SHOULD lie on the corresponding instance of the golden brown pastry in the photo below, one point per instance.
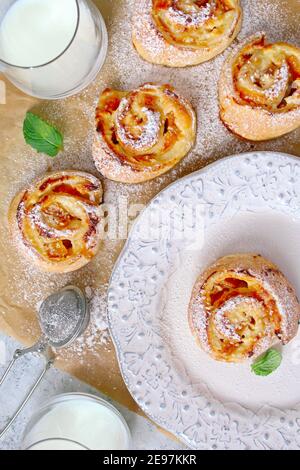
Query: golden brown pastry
(142, 133)
(178, 33)
(241, 306)
(58, 220)
(259, 89)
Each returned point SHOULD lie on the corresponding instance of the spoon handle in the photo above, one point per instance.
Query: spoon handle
(41, 348)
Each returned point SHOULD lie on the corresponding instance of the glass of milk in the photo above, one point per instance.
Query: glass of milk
(77, 421)
(51, 49)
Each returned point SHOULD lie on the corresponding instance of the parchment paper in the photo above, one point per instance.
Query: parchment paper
(22, 287)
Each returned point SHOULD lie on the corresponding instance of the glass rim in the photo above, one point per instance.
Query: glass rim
(61, 439)
(28, 67)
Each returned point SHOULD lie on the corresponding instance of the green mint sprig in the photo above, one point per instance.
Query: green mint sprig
(42, 136)
(267, 363)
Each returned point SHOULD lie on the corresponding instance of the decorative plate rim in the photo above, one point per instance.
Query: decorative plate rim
(265, 413)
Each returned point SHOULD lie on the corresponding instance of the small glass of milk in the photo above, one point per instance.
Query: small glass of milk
(51, 49)
(77, 421)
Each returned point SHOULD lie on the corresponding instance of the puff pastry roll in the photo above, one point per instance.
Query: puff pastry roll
(58, 219)
(241, 306)
(178, 33)
(259, 89)
(142, 133)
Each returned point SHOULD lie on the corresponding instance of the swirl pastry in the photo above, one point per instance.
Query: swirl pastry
(58, 218)
(241, 306)
(143, 133)
(178, 33)
(259, 89)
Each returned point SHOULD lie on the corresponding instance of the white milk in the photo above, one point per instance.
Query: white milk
(34, 32)
(38, 32)
(84, 420)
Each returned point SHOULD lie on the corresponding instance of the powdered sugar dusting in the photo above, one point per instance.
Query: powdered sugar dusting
(97, 333)
(192, 19)
(150, 130)
(36, 218)
(222, 322)
(280, 82)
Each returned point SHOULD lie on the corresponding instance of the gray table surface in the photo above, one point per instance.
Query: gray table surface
(145, 435)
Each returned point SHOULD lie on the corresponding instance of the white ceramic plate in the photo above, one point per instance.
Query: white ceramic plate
(244, 203)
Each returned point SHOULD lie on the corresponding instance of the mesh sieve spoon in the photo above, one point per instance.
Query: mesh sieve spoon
(63, 317)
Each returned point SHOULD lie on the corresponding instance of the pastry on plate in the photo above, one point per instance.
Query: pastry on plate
(178, 33)
(259, 89)
(57, 220)
(143, 133)
(241, 306)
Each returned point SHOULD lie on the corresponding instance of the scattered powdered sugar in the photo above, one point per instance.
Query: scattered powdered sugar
(222, 322)
(150, 131)
(36, 218)
(97, 333)
(97, 308)
(196, 18)
(280, 82)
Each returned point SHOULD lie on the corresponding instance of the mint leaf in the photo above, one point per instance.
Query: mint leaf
(267, 363)
(42, 136)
